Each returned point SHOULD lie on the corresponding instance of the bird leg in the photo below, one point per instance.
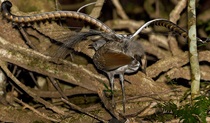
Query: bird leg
(121, 76)
(111, 80)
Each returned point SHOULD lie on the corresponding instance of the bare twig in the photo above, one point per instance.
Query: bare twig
(167, 63)
(183, 72)
(56, 5)
(124, 24)
(154, 50)
(28, 41)
(34, 80)
(121, 13)
(147, 110)
(97, 9)
(68, 92)
(28, 91)
(58, 88)
(107, 105)
(176, 62)
(74, 107)
(120, 10)
(174, 16)
(35, 111)
(175, 13)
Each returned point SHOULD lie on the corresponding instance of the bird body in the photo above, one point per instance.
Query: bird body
(114, 56)
(117, 58)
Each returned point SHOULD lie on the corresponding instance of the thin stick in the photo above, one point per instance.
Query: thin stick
(36, 111)
(75, 107)
(28, 91)
(28, 41)
(56, 5)
(58, 88)
(120, 10)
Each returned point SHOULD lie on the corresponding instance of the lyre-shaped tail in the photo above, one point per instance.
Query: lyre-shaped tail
(164, 23)
(167, 24)
(6, 6)
(172, 27)
(175, 28)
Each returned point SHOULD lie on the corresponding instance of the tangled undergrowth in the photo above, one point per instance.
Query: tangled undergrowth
(32, 72)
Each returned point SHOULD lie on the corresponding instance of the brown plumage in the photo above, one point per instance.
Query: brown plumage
(119, 57)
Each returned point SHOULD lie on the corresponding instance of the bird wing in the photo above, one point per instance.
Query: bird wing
(113, 60)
